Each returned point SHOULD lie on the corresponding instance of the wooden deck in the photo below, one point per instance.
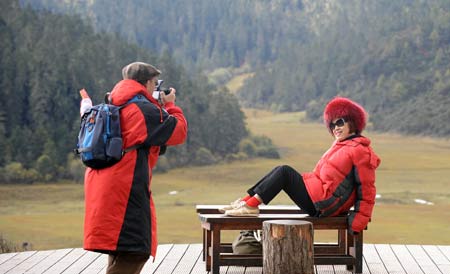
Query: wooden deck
(186, 259)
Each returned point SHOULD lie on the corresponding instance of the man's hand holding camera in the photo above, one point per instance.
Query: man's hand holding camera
(164, 96)
(167, 98)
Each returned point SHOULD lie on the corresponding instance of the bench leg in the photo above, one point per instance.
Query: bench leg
(215, 250)
(342, 240)
(358, 252)
(350, 248)
(206, 249)
(355, 248)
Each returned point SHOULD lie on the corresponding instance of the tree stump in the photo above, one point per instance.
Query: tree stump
(288, 247)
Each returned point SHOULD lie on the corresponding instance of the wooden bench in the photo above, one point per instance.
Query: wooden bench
(347, 251)
(263, 209)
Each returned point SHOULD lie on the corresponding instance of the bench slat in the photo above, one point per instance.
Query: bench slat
(263, 209)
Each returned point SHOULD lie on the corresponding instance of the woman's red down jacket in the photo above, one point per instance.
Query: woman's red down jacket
(345, 177)
(120, 214)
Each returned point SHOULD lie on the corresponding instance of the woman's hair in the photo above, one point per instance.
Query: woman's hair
(140, 72)
(351, 126)
(352, 112)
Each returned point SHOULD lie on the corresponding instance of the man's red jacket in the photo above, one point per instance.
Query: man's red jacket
(120, 214)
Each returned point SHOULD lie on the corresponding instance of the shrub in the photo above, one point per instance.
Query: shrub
(268, 152)
(7, 246)
(75, 168)
(220, 76)
(45, 167)
(14, 172)
(163, 165)
(204, 157)
(259, 146)
(248, 147)
(236, 157)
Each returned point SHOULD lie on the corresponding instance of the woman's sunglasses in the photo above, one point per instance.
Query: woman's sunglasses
(339, 123)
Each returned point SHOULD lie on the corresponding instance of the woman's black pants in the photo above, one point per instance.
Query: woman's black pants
(288, 179)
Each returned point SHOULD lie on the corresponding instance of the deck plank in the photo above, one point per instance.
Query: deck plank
(171, 260)
(97, 266)
(373, 261)
(445, 249)
(406, 259)
(236, 270)
(389, 259)
(325, 269)
(187, 259)
(82, 263)
(14, 261)
(6, 256)
(48, 261)
(31, 261)
(161, 253)
(199, 266)
(253, 270)
(422, 258)
(60, 260)
(342, 269)
(438, 257)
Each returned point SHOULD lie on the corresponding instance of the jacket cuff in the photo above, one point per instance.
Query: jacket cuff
(350, 224)
(169, 105)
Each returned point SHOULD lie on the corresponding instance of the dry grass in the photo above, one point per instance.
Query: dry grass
(237, 82)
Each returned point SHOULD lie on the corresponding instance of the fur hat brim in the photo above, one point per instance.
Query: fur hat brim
(341, 107)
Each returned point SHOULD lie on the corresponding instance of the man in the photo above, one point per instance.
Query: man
(120, 217)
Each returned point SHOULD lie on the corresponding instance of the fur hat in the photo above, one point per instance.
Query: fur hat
(341, 107)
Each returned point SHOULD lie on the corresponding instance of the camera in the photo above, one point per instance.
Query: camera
(160, 89)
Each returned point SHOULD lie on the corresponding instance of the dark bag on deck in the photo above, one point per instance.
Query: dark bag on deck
(248, 242)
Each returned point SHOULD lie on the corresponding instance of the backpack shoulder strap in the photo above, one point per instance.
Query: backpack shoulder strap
(135, 99)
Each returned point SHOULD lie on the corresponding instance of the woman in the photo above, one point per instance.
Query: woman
(343, 178)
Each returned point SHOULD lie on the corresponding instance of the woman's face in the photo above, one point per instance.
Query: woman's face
(340, 129)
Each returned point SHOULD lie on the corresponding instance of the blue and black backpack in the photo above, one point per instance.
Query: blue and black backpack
(100, 138)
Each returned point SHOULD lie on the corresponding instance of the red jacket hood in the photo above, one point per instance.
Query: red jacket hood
(364, 141)
(127, 89)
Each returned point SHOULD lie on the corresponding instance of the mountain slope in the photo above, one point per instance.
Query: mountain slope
(387, 55)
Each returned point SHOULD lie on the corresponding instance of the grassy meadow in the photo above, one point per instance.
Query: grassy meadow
(51, 216)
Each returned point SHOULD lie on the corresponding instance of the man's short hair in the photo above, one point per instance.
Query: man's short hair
(140, 72)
